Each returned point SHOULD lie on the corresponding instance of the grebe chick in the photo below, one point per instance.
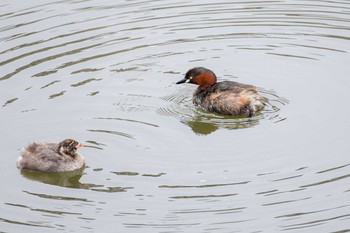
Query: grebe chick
(51, 157)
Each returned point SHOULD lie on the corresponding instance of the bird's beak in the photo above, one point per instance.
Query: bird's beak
(185, 80)
(79, 145)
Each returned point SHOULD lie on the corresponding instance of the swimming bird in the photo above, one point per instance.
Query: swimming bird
(227, 97)
(51, 157)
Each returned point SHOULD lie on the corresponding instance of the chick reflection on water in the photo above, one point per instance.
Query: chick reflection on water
(69, 179)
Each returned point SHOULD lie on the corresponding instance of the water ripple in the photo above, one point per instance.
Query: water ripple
(106, 69)
(203, 122)
(255, 15)
(111, 132)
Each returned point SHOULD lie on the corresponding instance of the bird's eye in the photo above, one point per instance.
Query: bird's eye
(189, 79)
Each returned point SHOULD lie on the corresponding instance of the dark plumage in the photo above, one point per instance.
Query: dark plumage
(51, 157)
(228, 98)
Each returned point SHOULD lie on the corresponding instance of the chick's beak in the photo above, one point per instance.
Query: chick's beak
(79, 145)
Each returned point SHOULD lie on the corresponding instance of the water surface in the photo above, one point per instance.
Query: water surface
(104, 73)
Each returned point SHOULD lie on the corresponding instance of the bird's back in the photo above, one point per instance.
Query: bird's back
(230, 98)
(44, 157)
